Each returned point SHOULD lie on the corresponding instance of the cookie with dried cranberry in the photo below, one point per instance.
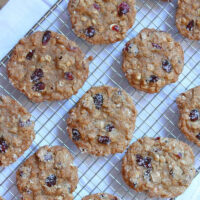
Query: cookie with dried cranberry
(188, 18)
(48, 174)
(100, 196)
(161, 167)
(16, 130)
(103, 21)
(189, 108)
(152, 60)
(47, 66)
(103, 121)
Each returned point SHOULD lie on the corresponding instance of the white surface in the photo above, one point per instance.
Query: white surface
(18, 16)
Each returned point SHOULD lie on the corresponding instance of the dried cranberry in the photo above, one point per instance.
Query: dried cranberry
(25, 124)
(90, 32)
(46, 37)
(96, 6)
(104, 140)
(38, 86)
(51, 180)
(139, 160)
(157, 46)
(166, 66)
(3, 145)
(171, 172)
(115, 28)
(37, 75)
(198, 136)
(98, 100)
(157, 138)
(190, 25)
(30, 54)
(69, 76)
(145, 162)
(75, 134)
(194, 115)
(123, 9)
(109, 127)
(179, 155)
(153, 79)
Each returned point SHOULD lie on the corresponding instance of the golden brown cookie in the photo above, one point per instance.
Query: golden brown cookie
(189, 108)
(16, 130)
(100, 196)
(103, 121)
(161, 167)
(152, 60)
(48, 174)
(102, 21)
(188, 18)
(47, 66)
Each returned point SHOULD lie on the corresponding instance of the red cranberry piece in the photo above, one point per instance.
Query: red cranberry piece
(38, 86)
(198, 136)
(25, 124)
(115, 28)
(190, 25)
(76, 134)
(147, 163)
(157, 138)
(46, 37)
(30, 54)
(123, 9)
(96, 6)
(194, 115)
(90, 32)
(179, 155)
(98, 100)
(139, 160)
(69, 76)
(166, 66)
(3, 145)
(157, 46)
(153, 79)
(109, 127)
(37, 75)
(128, 47)
(104, 140)
(51, 180)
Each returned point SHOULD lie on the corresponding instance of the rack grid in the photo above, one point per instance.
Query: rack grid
(157, 113)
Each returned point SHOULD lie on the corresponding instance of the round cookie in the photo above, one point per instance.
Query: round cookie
(152, 60)
(189, 108)
(103, 21)
(103, 121)
(161, 167)
(188, 18)
(16, 130)
(100, 196)
(48, 174)
(47, 66)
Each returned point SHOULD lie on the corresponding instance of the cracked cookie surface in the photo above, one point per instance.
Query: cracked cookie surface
(188, 18)
(16, 130)
(48, 174)
(100, 196)
(103, 121)
(189, 108)
(152, 60)
(102, 21)
(47, 66)
(161, 167)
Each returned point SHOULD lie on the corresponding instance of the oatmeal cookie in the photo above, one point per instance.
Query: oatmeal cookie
(161, 167)
(47, 66)
(16, 130)
(102, 21)
(100, 196)
(189, 107)
(103, 121)
(48, 174)
(152, 60)
(188, 18)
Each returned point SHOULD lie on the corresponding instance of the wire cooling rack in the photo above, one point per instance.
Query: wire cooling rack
(157, 113)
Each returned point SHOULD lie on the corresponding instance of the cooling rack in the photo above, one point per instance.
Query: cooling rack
(157, 113)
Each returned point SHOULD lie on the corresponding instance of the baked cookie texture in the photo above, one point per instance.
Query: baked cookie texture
(16, 130)
(102, 21)
(47, 66)
(189, 108)
(152, 60)
(161, 167)
(103, 121)
(100, 196)
(48, 174)
(188, 18)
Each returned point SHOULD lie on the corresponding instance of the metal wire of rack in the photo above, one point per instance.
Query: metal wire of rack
(157, 113)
